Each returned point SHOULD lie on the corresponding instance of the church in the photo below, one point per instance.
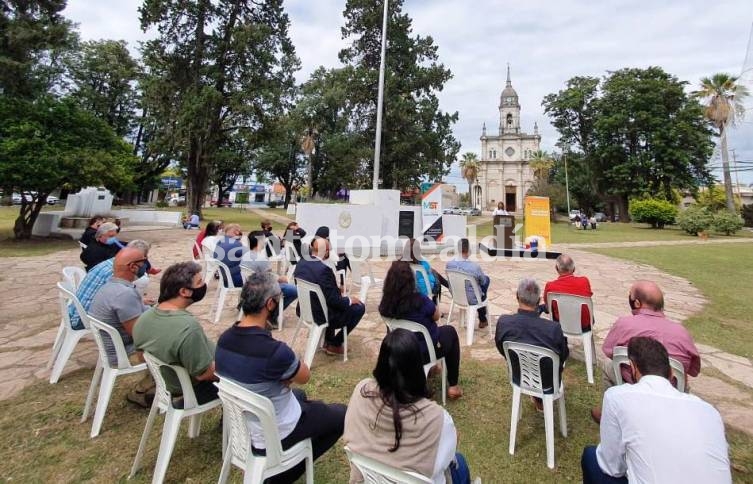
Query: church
(504, 174)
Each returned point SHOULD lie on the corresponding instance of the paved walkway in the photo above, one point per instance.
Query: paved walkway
(29, 315)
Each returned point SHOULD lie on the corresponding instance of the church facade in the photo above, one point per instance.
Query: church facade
(504, 174)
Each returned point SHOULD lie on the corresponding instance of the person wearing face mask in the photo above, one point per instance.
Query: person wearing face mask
(104, 246)
(230, 250)
(119, 304)
(174, 335)
(248, 355)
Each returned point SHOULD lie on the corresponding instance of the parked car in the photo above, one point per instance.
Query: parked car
(600, 217)
(475, 212)
(224, 203)
(29, 196)
(464, 211)
(573, 214)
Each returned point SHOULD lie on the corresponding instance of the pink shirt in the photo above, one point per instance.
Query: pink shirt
(645, 322)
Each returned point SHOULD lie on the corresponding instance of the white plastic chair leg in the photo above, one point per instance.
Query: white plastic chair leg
(315, 334)
(345, 343)
(66, 350)
(589, 356)
(96, 378)
(365, 284)
(56, 346)
(309, 469)
(444, 382)
(549, 429)
(220, 304)
(514, 418)
(470, 325)
(254, 474)
(226, 466)
(563, 416)
(281, 312)
(144, 438)
(194, 426)
(106, 385)
(167, 443)
(449, 314)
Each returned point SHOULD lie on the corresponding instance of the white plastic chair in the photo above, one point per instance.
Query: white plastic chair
(105, 373)
(433, 360)
(569, 309)
(222, 291)
(82, 245)
(363, 277)
(163, 401)
(197, 250)
(290, 255)
(245, 272)
(375, 472)
(238, 404)
(419, 271)
(74, 275)
(307, 291)
(67, 338)
(620, 358)
(529, 382)
(457, 281)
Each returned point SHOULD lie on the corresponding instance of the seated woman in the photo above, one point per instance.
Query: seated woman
(192, 222)
(400, 300)
(391, 419)
(249, 355)
(88, 236)
(435, 278)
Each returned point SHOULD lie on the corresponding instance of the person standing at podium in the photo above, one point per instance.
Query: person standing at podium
(500, 210)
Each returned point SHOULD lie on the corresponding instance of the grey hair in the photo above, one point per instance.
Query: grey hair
(565, 264)
(529, 292)
(259, 287)
(104, 228)
(141, 245)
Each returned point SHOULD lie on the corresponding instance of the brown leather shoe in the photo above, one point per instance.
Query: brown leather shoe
(333, 350)
(483, 324)
(453, 393)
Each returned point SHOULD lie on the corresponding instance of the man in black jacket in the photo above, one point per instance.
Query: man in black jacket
(104, 246)
(344, 312)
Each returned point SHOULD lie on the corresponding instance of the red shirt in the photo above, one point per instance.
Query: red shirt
(575, 285)
(199, 237)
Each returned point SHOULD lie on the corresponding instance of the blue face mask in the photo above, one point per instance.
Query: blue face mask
(111, 241)
(142, 270)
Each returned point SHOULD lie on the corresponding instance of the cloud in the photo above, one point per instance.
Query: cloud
(545, 42)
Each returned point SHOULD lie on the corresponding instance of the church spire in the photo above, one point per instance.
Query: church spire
(483, 129)
(509, 82)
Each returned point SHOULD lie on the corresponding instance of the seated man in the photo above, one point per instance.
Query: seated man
(249, 355)
(569, 283)
(462, 264)
(275, 244)
(650, 432)
(527, 327)
(647, 303)
(293, 235)
(95, 279)
(192, 222)
(229, 250)
(344, 312)
(256, 260)
(103, 247)
(119, 304)
(172, 334)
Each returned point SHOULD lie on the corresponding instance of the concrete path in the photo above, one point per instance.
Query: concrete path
(29, 315)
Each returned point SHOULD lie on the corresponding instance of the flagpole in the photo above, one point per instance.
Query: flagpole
(380, 102)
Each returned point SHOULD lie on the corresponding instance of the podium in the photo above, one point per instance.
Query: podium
(504, 231)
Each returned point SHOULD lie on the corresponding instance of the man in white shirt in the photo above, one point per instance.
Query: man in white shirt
(653, 433)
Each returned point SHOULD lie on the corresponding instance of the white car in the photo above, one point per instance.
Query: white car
(573, 214)
(52, 200)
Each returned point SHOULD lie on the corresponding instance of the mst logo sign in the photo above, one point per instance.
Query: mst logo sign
(431, 207)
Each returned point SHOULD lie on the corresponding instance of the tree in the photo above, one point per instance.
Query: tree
(417, 140)
(541, 163)
(724, 98)
(47, 144)
(217, 67)
(234, 159)
(469, 170)
(281, 156)
(103, 76)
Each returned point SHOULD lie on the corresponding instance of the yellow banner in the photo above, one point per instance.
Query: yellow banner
(537, 218)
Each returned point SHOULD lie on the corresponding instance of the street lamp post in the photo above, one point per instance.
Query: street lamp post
(380, 101)
(567, 181)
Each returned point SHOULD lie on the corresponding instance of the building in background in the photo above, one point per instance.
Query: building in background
(504, 174)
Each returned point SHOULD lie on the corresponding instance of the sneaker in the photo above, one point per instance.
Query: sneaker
(333, 350)
(483, 324)
(143, 400)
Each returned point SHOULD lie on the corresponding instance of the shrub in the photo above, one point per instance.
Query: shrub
(161, 204)
(695, 219)
(653, 211)
(747, 212)
(727, 222)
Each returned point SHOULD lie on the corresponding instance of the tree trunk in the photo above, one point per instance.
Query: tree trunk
(624, 206)
(725, 169)
(27, 216)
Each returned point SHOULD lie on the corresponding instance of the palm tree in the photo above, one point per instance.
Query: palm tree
(541, 163)
(724, 105)
(469, 171)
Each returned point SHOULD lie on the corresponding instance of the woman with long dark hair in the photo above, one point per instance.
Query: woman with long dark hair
(391, 419)
(401, 300)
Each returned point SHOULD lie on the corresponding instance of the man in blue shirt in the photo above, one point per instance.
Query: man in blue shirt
(462, 264)
(229, 250)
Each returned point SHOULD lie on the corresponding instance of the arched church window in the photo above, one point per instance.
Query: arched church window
(509, 120)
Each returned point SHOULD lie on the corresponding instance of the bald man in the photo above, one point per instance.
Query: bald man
(119, 304)
(343, 311)
(646, 302)
(568, 283)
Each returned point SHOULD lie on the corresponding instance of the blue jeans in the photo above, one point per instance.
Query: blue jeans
(592, 473)
(459, 470)
(289, 293)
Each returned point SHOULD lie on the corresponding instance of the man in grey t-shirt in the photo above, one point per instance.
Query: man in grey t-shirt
(256, 260)
(119, 304)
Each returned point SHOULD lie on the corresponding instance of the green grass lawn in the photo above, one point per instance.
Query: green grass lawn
(723, 273)
(563, 233)
(43, 440)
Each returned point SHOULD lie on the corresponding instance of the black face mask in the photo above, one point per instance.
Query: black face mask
(632, 303)
(198, 293)
(274, 314)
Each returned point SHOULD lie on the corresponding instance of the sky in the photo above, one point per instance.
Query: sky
(546, 43)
